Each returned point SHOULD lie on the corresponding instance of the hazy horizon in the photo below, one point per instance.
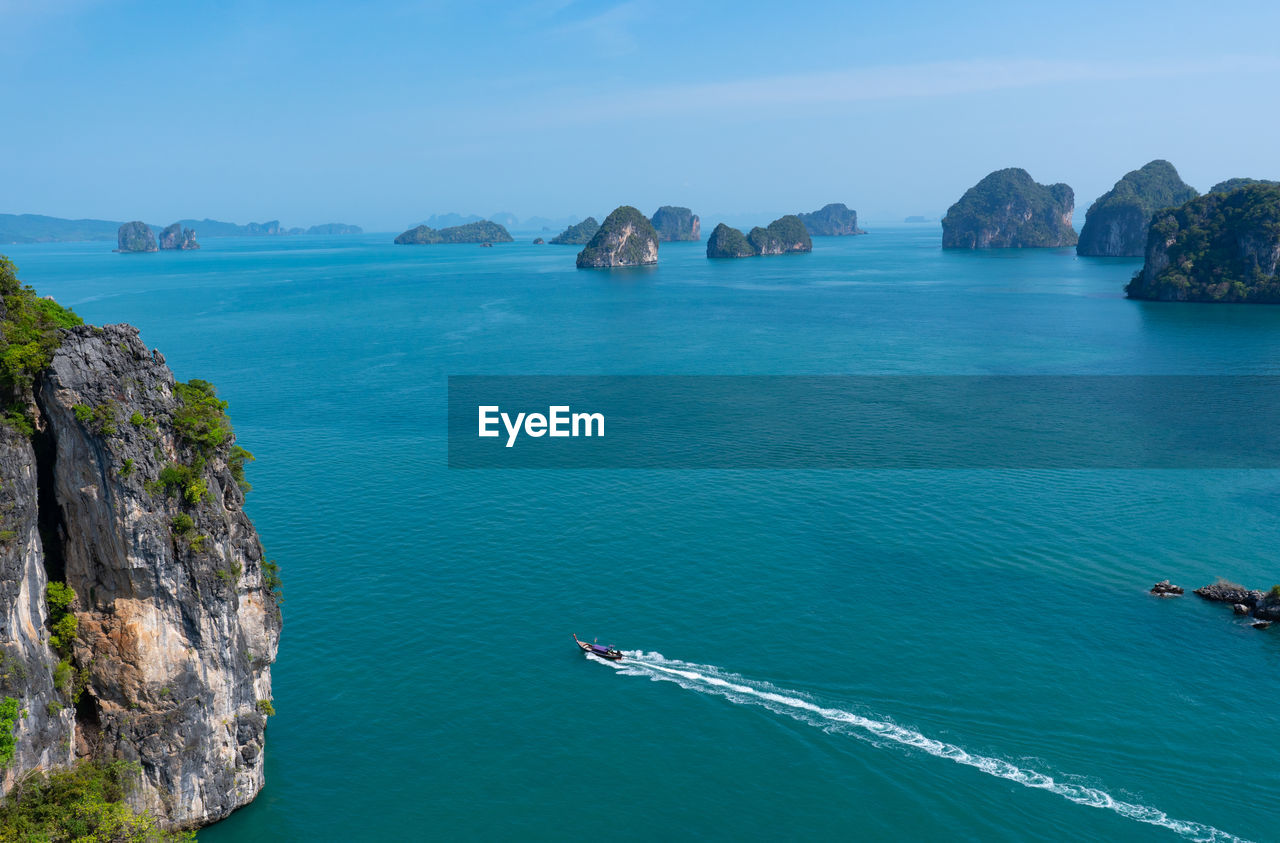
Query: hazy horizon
(384, 115)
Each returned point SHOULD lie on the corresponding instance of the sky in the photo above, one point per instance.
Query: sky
(384, 113)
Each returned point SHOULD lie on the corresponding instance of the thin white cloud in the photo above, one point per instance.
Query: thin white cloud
(938, 79)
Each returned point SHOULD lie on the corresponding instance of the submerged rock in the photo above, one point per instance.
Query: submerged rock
(834, 220)
(577, 235)
(673, 224)
(1164, 588)
(1220, 247)
(626, 238)
(177, 237)
(1116, 223)
(538, 241)
(136, 236)
(1009, 210)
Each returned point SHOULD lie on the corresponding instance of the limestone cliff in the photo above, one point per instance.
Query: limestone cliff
(783, 235)
(135, 236)
(1116, 223)
(727, 242)
(177, 237)
(1008, 209)
(125, 486)
(674, 223)
(1220, 247)
(626, 238)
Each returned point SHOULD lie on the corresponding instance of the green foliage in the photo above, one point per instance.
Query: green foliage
(59, 597)
(1275, 591)
(127, 468)
(30, 331)
(1009, 209)
(271, 579)
(197, 543)
(7, 536)
(16, 418)
(64, 677)
(83, 412)
(266, 708)
(195, 491)
(100, 419)
(1217, 247)
(182, 524)
(239, 456)
(8, 722)
(726, 242)
(137, 419)
(473, 232)
(83, 804)
(186, 480)
(201, 420)
(577, 235)
(53, 707)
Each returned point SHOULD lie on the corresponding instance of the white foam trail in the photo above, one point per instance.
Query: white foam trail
(712, 680)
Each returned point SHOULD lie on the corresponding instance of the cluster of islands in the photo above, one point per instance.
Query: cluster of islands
(1223, 246)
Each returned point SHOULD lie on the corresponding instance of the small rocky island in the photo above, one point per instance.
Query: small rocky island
(626, 238)
(577, 235)
(332, 228)
(1220, 247)
(177, 237)
(472, 232)
(834, 220)
(1116, 223)
(538, 241)
(136, 236)
(783, 235)
(1009, 210)
(1260, 605)
(676, 224)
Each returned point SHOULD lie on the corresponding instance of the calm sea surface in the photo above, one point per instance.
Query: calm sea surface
(927, 655)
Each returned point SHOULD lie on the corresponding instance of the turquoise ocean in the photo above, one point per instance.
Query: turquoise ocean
(860, 655)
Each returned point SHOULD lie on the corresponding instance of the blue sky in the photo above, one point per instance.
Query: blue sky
(381, 114)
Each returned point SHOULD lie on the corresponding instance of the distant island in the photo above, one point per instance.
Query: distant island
(135, 237)
(1237, 183)
(332, 228)
(675, 224)
(177, 237)
(577, 235)
(1116, 223)
(626, 238)
(1009, 210)
(472, 232)
(917, 218)
(1220, 247)
(783, 235)
(35, 228)
(834, 220)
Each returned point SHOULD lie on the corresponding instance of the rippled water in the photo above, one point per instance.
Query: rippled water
(923, 655)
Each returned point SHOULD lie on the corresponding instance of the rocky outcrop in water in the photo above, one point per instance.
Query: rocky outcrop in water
(577, 235)
(335, 228)
(1009, 210)
(135, 237)
(1263, 605)
(1164, 588)
(1116, 223)
(177, 237)
(473, 232)
(783, 235)
(1220, 247)
(538, 241)
(834, 220)
(626, 238)
(138, 616)
(675, 224)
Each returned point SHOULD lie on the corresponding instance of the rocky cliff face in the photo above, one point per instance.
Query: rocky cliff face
(673, 224)
(135, 237)
(128, 491)
(625, 238)
(177, 237)
(834, 220)
(1220, 247)
(1116, 224)
(45, 735)
(1008, 209)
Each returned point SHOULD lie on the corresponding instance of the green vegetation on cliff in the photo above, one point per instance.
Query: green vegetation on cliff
(1008, 209)
(1237, 183)
(783, 235)
(834, 220)
(1116, 223)
(1220, 247)
(674, 223)
(473, 232)
(30, 331)
(83, 804)
(626, 238)
(726, 242)
(577, 235)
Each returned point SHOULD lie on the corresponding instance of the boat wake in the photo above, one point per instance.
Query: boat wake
(708, 679)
